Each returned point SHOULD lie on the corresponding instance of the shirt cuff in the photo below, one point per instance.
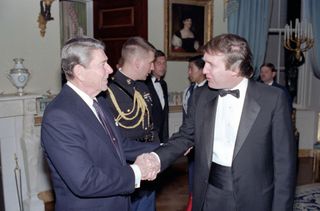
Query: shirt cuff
(137, 175)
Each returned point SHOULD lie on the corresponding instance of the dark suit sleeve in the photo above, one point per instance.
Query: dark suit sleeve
(81, 159)
(179, 142)
(284, 155)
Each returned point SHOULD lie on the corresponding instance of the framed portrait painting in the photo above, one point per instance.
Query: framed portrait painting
(188, 26)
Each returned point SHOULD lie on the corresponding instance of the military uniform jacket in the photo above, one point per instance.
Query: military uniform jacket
(123, 89)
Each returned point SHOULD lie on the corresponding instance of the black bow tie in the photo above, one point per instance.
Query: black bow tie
(235, 93)
(157, 80)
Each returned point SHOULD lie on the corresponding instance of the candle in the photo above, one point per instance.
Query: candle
(306, 29)
(296, 29)
(309, 30)
(303, 29)
(290, 29)
(285, 33)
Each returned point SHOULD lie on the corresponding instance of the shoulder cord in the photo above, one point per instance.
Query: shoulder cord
(139, 105)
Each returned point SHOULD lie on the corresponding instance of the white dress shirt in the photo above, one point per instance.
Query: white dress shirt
(270, 83)
(89, 101)
(228, 114)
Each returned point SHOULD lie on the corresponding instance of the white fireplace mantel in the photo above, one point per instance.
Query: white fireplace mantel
(19, 136)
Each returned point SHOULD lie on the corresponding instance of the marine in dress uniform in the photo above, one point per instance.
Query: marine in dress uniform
(131, 104)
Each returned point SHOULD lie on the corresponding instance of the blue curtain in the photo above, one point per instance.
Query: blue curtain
(250, 19)
(310, 12)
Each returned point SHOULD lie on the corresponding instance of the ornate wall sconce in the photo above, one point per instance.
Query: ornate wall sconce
(298, 39)
(44, 15)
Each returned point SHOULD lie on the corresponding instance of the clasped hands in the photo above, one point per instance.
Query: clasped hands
(149, 166)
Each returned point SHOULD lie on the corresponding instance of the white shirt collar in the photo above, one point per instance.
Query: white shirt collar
(201, 83)
(86, 98)
(270, 83)
(153, 78)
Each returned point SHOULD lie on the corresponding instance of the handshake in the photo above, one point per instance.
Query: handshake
(149, 165)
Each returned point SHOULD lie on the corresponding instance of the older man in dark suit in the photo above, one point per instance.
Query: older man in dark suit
(245, 156)
(86, 153)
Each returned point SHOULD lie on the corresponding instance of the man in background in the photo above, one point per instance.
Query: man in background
(268, 73)
(130, 101)
(86, 153)
(159, 94)
(197, 79)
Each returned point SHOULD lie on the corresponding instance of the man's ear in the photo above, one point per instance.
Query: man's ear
(137, 63)
(235, 68)
(78, 71)
(236, 71)
(274, 74)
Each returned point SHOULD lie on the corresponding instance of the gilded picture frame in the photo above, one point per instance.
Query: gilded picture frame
(188, 26)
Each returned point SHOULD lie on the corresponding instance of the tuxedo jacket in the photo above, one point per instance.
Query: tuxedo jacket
(86, 170)
(289, 98)
(160, 117)
(264, 159)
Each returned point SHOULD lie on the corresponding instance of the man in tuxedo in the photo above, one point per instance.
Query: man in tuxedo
(267, 74)
(245, 155)
(159, 94)
(85, 151)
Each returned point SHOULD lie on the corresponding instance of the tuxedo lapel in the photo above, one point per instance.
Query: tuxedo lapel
(154, 93)
(164, 88)
(165, 92)
(250, 111)
(207, 134)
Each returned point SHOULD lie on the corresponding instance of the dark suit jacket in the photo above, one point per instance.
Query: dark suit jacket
(86, 171)
(195, 94)
(159, 116)
(264, 159)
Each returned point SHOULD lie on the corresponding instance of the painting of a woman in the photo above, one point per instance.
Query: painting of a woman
(188, 25)
(185, 39)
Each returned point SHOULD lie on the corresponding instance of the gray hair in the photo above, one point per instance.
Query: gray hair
(78, 51)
